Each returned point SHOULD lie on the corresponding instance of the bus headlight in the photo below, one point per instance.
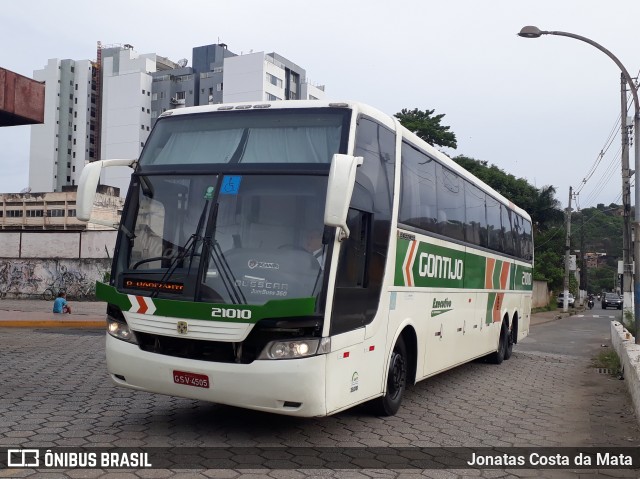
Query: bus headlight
(298, 348)
(120, 331)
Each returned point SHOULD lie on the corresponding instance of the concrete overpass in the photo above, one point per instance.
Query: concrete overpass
(21, 99)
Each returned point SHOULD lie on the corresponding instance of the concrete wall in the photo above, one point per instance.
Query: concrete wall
(31, 262)
(629, 353)
(540, 294)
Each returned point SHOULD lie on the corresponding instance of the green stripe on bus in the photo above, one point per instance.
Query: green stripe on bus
(277, 308)
(491, 299)
(438, 266)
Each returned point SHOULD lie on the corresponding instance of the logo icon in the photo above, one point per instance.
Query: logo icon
(23, 458)
(183, 327)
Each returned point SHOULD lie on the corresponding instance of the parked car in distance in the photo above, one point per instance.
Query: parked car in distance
(611, 300)
(570, 300)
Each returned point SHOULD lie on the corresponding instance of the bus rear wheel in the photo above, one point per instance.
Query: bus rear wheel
(499, 355)
(508, 351)
(389, 403)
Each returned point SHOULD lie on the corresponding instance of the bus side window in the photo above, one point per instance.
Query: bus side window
(356, 296)
(353, 253)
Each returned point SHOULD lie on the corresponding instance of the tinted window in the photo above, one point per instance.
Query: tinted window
(418, 205)
(507, 231)
(276, 136)
(450, 193)
(494, 225)
(476, 217)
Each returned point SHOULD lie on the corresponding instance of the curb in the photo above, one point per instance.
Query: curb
(629, 353)
(54, 324)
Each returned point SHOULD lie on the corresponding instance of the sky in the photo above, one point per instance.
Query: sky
(541, 109)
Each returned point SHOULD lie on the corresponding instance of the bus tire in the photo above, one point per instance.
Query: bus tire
(499, 356)
(389, 403)
(508, 350)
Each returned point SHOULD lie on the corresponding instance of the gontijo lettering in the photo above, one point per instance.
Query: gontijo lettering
(443, 267)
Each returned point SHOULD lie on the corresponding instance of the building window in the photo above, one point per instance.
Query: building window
(155, 96)
(161, 95)
(219, 86)
(271, 97)
(274, 80)
(142, 109)
(34, 213)
(180, 95)
(14, 213)
(55, 213)
(143, 92)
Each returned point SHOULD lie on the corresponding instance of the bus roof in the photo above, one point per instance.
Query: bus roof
(358, 107)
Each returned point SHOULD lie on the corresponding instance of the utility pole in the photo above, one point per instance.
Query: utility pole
(584, 283)
(627, 262)
(567, 250)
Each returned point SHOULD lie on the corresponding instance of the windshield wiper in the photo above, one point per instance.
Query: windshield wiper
(189, 248)
(226, 273)
(146, 186)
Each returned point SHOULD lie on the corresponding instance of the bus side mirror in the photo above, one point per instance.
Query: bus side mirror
(89, 183)
(342, 178)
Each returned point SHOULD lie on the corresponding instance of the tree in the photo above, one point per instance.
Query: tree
(427, 127)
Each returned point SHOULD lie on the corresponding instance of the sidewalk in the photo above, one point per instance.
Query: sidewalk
(35, 313)
(547, 316)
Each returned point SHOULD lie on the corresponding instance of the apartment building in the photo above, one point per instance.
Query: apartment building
(106, 109)
(66, 141)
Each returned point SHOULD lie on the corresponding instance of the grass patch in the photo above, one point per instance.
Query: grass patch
(628, 321)
(548, 307)
(608, 359)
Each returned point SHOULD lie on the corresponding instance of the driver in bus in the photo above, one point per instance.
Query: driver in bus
(312, 243)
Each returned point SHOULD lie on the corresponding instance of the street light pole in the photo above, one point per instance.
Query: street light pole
(535, 32)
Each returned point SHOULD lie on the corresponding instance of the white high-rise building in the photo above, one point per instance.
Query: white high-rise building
(105, 109)
(126, 110)
(65, 142)
(266, 77)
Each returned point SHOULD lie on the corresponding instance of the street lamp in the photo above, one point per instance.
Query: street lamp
(535, 32)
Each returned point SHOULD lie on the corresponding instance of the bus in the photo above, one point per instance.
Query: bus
(304, 257)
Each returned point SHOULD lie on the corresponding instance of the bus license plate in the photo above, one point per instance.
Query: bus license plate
(191, 379)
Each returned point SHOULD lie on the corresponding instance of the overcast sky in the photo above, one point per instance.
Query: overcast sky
(540, 109)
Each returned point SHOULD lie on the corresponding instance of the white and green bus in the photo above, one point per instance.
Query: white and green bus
(302, 257)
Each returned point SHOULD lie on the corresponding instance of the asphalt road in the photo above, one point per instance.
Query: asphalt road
(54, 392)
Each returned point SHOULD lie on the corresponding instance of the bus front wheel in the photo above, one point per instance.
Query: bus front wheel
(389, 403)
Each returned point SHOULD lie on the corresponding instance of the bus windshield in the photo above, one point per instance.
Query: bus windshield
(246, 137)
(230, 239)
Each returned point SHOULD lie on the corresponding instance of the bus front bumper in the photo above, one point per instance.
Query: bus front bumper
(292, 387)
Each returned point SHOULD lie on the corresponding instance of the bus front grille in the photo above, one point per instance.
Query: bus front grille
(214, 351)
